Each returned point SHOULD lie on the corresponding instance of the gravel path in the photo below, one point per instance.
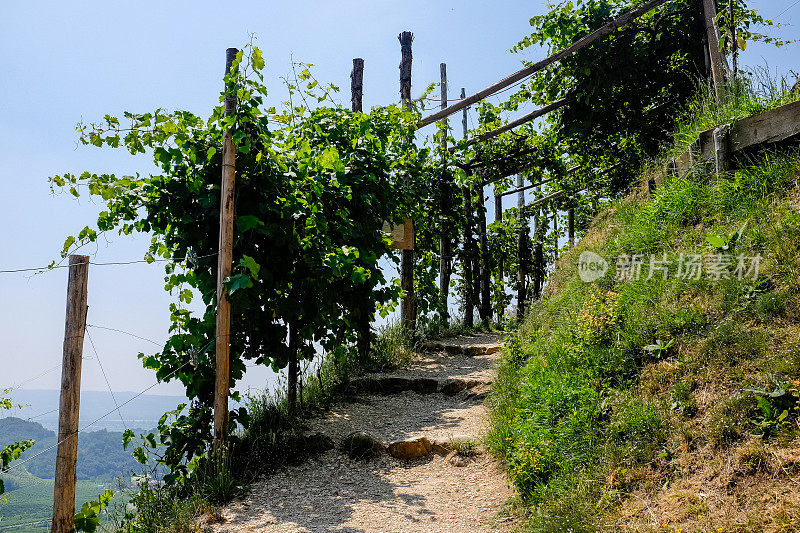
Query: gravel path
(333, 493)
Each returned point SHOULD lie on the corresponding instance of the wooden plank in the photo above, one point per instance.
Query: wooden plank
(771, 126)
(70, 400)
(601, 32)
(224, 261)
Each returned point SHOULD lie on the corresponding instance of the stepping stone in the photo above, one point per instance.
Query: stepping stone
(395, 384)
(411, 449)
(360, 445)
(467, 345)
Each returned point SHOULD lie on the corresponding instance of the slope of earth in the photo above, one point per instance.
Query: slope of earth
(440, 398)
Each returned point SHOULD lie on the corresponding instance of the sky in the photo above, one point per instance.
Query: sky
(63, 62)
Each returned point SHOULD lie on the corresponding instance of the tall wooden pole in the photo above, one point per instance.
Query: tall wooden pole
(734, 42)
(408, 307)
(486, 297)
(224, 261)
(715, 56)
(467, 274)
(70, 402)
(521, 252)
(445, 246)
(555, 233)
(367, 311)
(498, 217)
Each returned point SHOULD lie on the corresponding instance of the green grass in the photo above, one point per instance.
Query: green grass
(575, 419)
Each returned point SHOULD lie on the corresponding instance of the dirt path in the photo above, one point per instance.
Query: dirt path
(331, 492)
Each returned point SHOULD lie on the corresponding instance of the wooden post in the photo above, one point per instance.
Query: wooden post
(734, 43)
(357, 84)
(364, 315)
(70, 402)
(467, 274)
(555, 233)
(291, 373)
(522, 242)
(498, 217)
(408, 307)
(538, 253)
(445, 246)
(486, 297)
(224, 260)
(571, 227)
(714, 54)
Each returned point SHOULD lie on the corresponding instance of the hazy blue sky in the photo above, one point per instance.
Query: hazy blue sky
(67, 61)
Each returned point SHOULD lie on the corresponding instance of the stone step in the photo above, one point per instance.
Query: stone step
(396, 384)
(461, 349)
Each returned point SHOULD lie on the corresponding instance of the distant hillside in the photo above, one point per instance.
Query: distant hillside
(100, 453)
(144, 411)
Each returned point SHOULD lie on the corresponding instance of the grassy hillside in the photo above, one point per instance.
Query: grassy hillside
(668, 402)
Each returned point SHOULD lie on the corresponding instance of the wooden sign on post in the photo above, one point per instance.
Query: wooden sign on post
(402, 234)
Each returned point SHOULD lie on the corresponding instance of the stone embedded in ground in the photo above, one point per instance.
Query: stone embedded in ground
(411, 449)
(360, 445)
(425, 385)
(454, 386)
(456, 459)
(318, 443)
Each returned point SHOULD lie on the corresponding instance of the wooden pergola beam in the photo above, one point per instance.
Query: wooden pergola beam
(514, 123)
(601, 32)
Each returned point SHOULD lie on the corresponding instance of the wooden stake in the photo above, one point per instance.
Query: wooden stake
(715, 56)
(486, 296)
(734, 43)
(224, 261)
(408, 307)
(498, 217)
(555, 233)
(367, 312)
(468, 271)
(571, 227)
(467, 274)
(445, 245)
(70, 402)
(357, 84)
(522, 241)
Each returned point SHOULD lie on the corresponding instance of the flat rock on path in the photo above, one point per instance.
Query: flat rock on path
(331, 492)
